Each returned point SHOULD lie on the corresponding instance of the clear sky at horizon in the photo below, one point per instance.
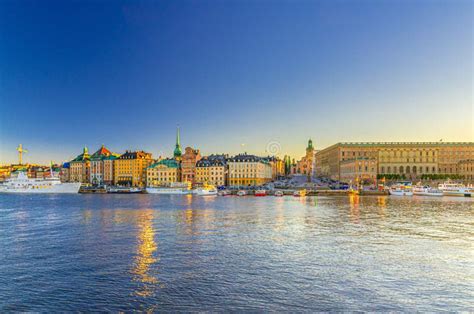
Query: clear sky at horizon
(235, 75)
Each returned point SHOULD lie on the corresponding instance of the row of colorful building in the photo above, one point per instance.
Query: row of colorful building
(342, 161)
(139, 168)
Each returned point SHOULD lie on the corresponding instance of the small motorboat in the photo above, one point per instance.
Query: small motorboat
(241, 193)
(224, 193)
(353, 191)
(299, 193)
(206, 190)
(260, 193)
(278, 193)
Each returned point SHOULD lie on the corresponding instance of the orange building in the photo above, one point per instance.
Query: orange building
(188, 164)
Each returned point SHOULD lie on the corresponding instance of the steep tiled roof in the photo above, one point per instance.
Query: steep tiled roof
(135, 155)
(82, 157)
(247, 158)
(101, 153)
(211, 161)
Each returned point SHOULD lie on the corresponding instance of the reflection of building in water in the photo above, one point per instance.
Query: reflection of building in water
(382, 201)
(144, 258)
(354, 206)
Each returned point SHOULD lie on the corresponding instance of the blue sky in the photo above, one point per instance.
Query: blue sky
(235, 75)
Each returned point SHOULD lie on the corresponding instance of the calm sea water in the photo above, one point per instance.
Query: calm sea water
(149, 252)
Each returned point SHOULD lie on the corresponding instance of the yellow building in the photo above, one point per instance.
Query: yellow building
(79, 167)
(163, 173)
(306, 164)
(410, 159)
(212, 170)
(466, 169)
(360, 169)
(246, 170)
(278, 166)
(130, 168)
(5, 171)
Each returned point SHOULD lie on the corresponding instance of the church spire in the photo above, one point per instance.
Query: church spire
(177, 150)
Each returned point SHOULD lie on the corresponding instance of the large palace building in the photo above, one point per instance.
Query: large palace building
(410, 159)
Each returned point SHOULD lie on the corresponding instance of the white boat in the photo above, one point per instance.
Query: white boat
(426, 191)
(260, 193)
(278, 193)
(401, 189)
(456, 189)
(224, 193)
(241, 193)
(174, 188)
(23, 184)
(124, 190)
(206, 190)
(168, 190)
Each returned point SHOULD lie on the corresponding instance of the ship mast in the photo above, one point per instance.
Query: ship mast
(21, 150)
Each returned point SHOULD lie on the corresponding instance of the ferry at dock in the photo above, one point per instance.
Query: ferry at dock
(401, 189)
(456, 189)
(176, 188)
(426, 191)
(124, 190)
(23, 184)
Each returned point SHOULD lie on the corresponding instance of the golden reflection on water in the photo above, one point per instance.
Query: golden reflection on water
(280, 215)
(86, 216)
(144, 256)
(381, 205)
(354, 201)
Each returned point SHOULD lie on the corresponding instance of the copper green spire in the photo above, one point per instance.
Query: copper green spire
(177, 150)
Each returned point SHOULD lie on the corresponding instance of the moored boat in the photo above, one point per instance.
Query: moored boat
(401, 189)
(260, 193)
(206, 190)
(224, 193)
(241, 193)
(23, 184)
(299, 193)
(456, 189)
(278, 193)
(426, 191)
(176, 188)
(124, 190)
(353, 191)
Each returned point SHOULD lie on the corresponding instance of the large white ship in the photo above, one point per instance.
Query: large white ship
(456, 189)
(401, 189)
(174, 188)
(23, 184)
